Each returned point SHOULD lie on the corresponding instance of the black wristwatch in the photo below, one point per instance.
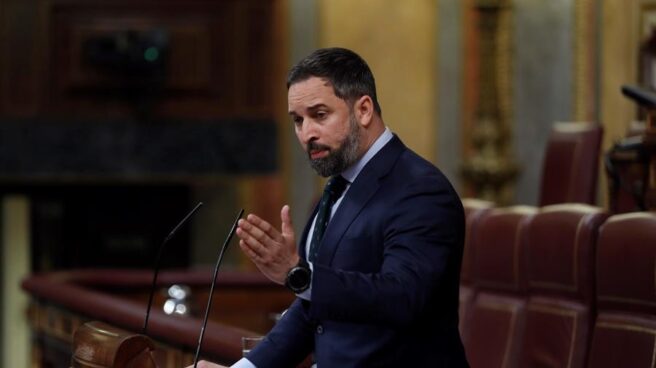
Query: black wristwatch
(299, 277)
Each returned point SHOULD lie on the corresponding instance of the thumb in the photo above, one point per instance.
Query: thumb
(287, 227)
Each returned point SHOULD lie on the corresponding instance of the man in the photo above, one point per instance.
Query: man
(377, 287)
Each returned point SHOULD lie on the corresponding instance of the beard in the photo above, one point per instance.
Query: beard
(342, 157)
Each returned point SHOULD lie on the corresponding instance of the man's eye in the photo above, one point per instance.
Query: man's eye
(321, 114)
(297, 120)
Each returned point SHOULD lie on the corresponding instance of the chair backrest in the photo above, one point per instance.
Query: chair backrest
(625, 330)
(474, 210)
(498, 271)
(560, 244)
(571, 163)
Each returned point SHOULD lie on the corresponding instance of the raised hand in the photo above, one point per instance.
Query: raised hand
(273, 252)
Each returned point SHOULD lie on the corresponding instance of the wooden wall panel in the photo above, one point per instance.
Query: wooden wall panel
(226, 66)
(24, 57)
(221, 59)
(189, 68)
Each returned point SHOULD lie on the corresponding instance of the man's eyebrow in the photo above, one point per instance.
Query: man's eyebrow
(316, 106)
(309, 108)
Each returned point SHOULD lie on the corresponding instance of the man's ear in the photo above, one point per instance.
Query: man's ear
(364, 110)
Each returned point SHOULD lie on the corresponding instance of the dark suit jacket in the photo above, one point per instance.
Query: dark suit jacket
(385, 281)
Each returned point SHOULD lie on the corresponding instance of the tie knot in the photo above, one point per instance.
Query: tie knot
(335, 186)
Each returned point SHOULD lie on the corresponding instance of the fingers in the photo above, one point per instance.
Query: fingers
(261, 228)
(249, 251)
(249, 244)
(274, 253)
(253, 236)
(258, 237)
(287, 227)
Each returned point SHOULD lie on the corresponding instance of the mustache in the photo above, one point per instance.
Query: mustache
(313, 146)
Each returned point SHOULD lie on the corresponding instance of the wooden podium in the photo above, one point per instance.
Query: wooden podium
(97, 344)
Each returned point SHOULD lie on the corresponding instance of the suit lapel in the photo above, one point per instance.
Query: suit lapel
(366, 184)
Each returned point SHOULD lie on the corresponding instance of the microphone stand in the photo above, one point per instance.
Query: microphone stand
(100, 345)
(216, 272)
(157, 262)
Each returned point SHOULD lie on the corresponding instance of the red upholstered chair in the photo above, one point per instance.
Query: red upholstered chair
(625, 330)
(560, 248)
(571, 163)
(496, 318)
(474, 210)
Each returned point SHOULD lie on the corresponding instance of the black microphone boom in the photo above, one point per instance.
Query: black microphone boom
(157, 261)
(216, 272)
(641, 96)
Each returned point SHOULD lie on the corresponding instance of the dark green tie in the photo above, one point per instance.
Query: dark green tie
(333, 190)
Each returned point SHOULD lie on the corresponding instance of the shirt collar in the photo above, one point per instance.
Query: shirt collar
(354, 170)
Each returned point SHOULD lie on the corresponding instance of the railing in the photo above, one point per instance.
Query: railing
(62, 301)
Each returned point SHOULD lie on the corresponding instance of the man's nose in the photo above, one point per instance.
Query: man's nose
(307, 132)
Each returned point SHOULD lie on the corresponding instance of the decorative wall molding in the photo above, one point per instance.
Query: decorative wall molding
(491, 169)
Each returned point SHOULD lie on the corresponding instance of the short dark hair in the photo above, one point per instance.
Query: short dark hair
(346, 71)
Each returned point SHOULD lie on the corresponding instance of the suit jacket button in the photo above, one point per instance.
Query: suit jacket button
(319, 329)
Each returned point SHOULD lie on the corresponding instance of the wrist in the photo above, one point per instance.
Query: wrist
(299, 277)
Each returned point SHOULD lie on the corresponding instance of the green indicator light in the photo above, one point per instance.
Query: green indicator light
(151, 54)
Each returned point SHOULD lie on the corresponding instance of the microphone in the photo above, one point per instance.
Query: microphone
(216, 272)
(641, 96)
(157, 261)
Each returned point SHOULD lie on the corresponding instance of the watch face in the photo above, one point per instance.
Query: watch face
(298, 279)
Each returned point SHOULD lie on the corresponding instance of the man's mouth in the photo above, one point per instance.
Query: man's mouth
(318, 153)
